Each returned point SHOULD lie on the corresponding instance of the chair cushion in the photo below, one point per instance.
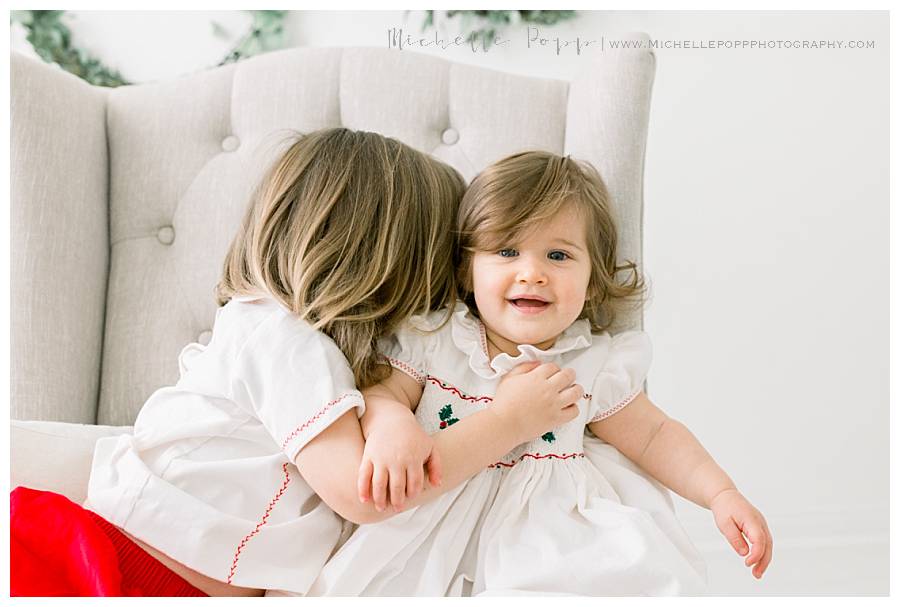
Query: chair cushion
(55, 456)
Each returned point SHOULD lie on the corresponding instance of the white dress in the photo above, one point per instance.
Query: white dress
(548, 518)
(208, 477)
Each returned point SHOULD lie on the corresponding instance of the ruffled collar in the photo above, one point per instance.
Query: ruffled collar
(469, 336)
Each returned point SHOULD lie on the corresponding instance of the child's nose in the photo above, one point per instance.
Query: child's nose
(530, 273)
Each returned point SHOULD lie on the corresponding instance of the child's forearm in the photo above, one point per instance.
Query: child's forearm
(473, 444)
(379, 407)
(676, 458)
(466, 448)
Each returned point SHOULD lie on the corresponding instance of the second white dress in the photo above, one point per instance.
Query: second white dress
(549, 518)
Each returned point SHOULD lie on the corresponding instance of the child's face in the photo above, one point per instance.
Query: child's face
(531, 291)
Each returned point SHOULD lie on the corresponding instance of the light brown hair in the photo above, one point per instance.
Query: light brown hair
(516, 195)
(352, 231)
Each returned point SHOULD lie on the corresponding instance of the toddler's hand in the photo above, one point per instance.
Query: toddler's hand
(536, 398)
(397, 453)
(736, 518)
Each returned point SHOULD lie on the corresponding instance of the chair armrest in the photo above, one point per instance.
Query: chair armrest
(55, 456)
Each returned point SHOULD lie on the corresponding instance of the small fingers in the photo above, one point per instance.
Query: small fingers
(398, 488)
(435, 468)
(414, 480)
(364, 481)
(733, 534)
(547, 370)
(572, 394)
(569, 412)
(758, 541)
(379, 488)
(766, 559)
(521, 368)
(563, 378)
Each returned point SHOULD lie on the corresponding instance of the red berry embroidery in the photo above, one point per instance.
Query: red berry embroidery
(446, 415)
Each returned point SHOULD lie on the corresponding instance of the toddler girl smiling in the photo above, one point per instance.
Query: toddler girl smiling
(540, 286)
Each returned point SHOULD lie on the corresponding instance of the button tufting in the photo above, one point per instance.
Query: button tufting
(450, 136)
(166, 235)
(231, 143)
(203, 338)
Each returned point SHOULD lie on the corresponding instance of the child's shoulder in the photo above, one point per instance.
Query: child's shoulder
(607, 350)
(417, 339)
(613, 343)
(428, 324)
(264, 320)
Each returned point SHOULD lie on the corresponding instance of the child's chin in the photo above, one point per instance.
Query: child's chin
(531, 340)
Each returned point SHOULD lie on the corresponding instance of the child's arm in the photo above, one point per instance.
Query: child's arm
(397, 449)
(666, 449)
(530, 400)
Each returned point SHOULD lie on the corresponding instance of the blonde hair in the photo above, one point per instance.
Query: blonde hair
(351, 231)
(516, 195)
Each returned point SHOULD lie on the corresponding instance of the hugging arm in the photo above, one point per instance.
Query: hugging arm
(330, 463)
(397, 450)
(387, 439)
(530, 400)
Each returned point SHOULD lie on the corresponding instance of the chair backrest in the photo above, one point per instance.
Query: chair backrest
(184, 155)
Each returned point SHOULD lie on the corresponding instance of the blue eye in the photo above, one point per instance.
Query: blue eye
(508, 252)
(558, 255)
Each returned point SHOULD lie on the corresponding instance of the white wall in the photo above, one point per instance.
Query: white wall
(766, 242)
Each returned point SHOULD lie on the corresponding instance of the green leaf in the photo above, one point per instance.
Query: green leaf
(494, 21)
(23, 17)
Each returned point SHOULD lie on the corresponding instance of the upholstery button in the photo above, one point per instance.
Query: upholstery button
(166, 235)
(231, 143)
(450, 136)
(203, 338)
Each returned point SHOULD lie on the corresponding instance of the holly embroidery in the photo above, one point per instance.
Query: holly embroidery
(446, 415)
(549, 437)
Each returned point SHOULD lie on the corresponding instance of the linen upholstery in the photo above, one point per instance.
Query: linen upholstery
(59, 242)
(185, 154)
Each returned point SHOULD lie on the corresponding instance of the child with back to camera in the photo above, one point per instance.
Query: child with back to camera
(234, 478)
(538, 276)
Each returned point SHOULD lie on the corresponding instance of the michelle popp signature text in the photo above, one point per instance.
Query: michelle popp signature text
(399, 39)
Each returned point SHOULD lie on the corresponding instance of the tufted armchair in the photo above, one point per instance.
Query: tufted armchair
(125, 200)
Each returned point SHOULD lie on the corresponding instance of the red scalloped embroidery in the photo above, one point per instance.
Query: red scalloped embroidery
(446, 386)
(610, 411)
(261, 523)
(312, 420)
(536, 456)
(409, 370)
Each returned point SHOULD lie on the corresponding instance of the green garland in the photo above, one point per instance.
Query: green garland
(52, 41)
(493, 21)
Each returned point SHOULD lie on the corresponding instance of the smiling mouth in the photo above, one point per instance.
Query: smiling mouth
(529, 306)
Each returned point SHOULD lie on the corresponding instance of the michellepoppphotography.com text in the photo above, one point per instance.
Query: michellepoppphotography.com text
(534, 39)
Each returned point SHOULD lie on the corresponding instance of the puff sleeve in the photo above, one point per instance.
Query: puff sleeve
(622, 375)
(412, 345)
(296, 380)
